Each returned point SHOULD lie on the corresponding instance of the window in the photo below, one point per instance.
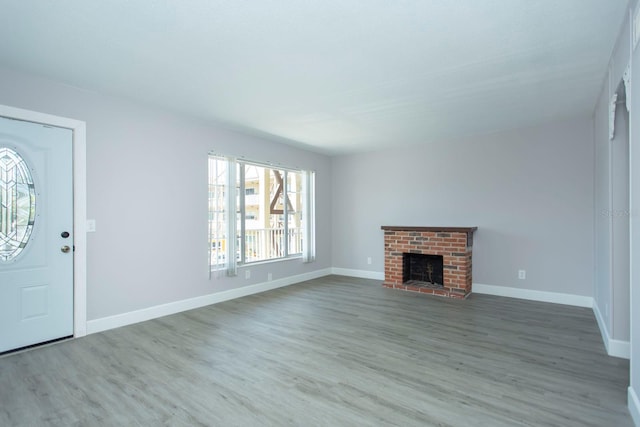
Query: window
(273, 213)
(17, 204)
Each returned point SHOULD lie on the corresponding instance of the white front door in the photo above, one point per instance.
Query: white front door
(36, 233)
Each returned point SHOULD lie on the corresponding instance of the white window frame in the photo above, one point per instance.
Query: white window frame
(236, 186)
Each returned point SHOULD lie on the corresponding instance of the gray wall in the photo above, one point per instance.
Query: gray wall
(611, 293)
(635, 226)
(606, 291)
(620, 230)
(602, 185)
(530, 192)
(147, 190)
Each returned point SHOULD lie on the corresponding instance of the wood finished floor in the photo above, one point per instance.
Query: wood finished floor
(334, 351)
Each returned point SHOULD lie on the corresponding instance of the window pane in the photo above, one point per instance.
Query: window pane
(217, 213)
(276, 214)
(252, 212)
(17, 204)
(266, 201)
(238, 217)
(269, 221)
(294, 212)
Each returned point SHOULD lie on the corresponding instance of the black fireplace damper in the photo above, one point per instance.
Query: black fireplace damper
(423, 269)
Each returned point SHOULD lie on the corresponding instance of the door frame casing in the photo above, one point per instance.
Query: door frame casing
(79, 204)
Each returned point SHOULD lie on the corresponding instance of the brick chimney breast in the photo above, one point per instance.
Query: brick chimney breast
(454, 244)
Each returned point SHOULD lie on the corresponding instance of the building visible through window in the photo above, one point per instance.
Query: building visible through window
(270, 221)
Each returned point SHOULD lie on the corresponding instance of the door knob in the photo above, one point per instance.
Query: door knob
(65, 249)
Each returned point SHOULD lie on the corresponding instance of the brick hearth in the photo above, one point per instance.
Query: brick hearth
(453, 243)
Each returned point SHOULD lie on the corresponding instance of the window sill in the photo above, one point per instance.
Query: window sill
(266, 261)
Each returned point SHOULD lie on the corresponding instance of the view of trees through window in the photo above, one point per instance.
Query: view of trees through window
(268, 204)
(274, 206)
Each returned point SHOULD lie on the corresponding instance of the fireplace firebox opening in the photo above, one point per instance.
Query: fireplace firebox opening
(423, 270)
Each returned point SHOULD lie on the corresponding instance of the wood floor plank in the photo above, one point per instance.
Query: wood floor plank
(331, 351)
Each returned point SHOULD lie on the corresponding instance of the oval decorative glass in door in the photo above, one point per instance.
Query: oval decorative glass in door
(17, 204)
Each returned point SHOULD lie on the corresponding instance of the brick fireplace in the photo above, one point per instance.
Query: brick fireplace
(431, 260)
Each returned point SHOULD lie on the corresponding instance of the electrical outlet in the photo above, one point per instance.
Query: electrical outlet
(369, 260)
(522, 274)
(247, 274)
(269, 277)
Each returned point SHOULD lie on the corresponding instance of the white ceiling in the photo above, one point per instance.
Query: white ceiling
(334, 76)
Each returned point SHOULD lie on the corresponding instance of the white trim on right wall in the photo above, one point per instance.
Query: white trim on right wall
(615, 348)
(533, 295)
(634, 405)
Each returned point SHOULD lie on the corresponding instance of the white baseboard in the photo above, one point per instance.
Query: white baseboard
(602, 325)
(618, 348)
(533, 295)
(615, 348)
(634, 406)
(363, 274)
(111, 322)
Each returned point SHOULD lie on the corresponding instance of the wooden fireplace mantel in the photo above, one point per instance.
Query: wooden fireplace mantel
(432, 229)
